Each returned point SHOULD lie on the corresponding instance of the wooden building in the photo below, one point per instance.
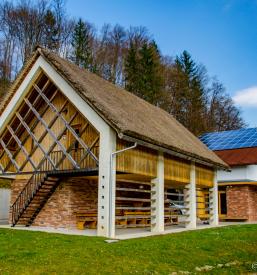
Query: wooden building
(238, 187)
(86, 153)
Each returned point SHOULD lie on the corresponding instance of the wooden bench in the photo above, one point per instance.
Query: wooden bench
(137, 218)
(86, 219)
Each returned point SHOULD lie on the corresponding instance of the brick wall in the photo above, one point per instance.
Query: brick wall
(73, 194)
(252, 203)
(242, 202)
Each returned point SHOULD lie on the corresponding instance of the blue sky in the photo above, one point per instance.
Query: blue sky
(221, 34)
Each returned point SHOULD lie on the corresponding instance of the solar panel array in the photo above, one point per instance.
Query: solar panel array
(235, 139)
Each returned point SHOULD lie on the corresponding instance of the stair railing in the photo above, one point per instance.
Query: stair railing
(36, 180)
(28, 192)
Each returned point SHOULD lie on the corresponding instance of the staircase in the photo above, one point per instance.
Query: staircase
(33, 198)
(42, 185)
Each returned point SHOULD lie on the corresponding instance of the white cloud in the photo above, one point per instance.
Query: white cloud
(246, 97)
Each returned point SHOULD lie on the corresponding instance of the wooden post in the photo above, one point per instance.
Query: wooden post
(190, 198)
(213, 201)
(157, 198)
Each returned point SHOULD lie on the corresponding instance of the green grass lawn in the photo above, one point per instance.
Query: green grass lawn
(27, 252)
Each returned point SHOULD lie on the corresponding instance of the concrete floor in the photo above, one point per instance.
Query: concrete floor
(121, 234)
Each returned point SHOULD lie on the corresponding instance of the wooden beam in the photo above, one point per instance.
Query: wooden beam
(9, 155)
(31, 128)
(27, 113)
(22, 148)
(51, 133)
(72, 144)
(34, 138)
(82, 143)
(45, 132)
(1, 168)
(90, 148)
(53, 145)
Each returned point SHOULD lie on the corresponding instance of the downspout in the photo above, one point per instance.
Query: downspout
(113, 155)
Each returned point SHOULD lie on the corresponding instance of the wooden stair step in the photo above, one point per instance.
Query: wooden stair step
(50, 182)
(44, 188)
(52, 179)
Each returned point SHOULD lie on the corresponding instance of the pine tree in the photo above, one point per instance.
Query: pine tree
(150, 73)
(191, 93)
(143, 72)
(50, 31)
(132, 79)
(82, 52)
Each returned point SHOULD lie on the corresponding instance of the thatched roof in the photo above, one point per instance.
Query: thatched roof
(126, 113)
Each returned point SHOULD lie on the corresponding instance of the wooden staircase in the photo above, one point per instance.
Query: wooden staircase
(43, 190)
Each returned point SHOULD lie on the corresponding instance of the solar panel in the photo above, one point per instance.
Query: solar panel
(233, 139)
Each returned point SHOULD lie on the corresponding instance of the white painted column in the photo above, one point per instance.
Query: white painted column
(157, 198)
(190, 199)
(213, 200)
(106, 180)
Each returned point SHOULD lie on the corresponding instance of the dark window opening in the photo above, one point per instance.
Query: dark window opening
(223, 203)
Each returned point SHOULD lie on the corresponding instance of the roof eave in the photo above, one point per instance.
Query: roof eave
(172, 151)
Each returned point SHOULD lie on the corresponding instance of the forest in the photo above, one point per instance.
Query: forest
(129, 58)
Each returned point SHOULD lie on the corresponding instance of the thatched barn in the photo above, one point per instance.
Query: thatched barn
(84, 153)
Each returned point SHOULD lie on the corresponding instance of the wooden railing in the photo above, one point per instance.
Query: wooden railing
(80, 155)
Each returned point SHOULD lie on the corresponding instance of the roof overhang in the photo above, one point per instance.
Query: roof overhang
(172, 152)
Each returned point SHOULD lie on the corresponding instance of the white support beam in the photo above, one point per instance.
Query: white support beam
(106, 180)
(190, 199)
(157, 198)
(213, 199)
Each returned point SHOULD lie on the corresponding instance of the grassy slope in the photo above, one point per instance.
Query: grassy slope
(23, 252)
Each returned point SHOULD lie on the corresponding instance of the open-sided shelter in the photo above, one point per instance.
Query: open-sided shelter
(86, 153)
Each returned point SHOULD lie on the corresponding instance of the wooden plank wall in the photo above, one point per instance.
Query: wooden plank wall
(204, 176)
(141, 160)
(88, 136)
(176, 170)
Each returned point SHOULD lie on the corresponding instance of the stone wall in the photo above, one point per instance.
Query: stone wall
(242, 202)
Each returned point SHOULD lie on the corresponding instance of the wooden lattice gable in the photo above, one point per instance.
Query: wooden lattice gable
(47, 132)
